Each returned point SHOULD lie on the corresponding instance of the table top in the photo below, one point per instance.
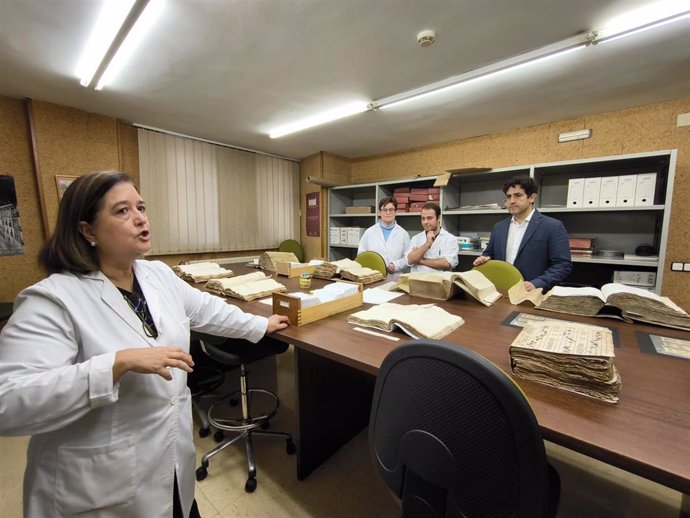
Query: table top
(647, 432)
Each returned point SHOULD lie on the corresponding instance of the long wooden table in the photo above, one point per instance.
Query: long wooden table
(647, 432)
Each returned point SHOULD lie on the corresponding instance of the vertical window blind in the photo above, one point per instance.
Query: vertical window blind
(203, 197)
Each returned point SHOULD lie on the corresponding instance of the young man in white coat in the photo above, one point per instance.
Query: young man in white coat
(94, 362)
(434, 249)
(387, 238)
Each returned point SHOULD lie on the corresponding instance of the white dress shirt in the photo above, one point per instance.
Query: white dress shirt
(516, 232)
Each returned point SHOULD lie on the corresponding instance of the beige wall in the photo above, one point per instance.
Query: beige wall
(68, 142)
(642, 129)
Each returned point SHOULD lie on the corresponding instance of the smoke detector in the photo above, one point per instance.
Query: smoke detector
(426, 38)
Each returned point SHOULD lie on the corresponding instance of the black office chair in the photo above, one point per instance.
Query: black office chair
(453, 436)
(239, 353)
(208, 376)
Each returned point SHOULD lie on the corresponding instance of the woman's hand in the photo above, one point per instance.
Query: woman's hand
(151, 360)
(277, 322)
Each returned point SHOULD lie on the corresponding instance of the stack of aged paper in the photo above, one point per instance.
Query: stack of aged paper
(613, 300)
(361, 274)
(569, 356)
(268, 260)
(246, 287)
(444, 285)
(201, 272)
(328, 270)
(426, 321)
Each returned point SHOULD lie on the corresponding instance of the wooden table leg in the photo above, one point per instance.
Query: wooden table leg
(333, 402)
(684, 506)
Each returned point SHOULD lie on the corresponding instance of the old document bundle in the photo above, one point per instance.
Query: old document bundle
(617, 301)
(201, 272)
(426, 321)
(246, 287)
(348, 269)
(444, 285)
(268, 260)
(568, 356)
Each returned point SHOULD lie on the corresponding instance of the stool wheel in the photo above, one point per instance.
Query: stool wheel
(265, 425)
(233, 402)
(202, 472)
(250, 485)
(204, 432)
(290, 447)
(218, 436)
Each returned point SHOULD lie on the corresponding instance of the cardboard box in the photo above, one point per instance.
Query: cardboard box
(626, 190)
(644, 189)
(608, 193)
(354, 235)
(635, 278)
(334, 235)
(590, 196)
(368, 209)
(576, 190)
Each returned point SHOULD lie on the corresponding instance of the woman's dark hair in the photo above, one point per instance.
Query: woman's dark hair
(67, 249)
(388, 199)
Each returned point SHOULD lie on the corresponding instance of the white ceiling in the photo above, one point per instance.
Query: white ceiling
(231, 70)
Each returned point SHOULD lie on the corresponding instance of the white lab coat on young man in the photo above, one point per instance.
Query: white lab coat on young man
(98, 448)
(445, 246)
(392, 249)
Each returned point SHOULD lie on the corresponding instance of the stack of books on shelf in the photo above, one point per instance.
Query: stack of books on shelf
(417, 321)
(581, 247)
(246, 287)
(412, 199)
(201, 272)
(568, 356)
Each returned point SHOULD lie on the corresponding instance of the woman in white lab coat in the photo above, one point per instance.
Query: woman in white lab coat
(94, 362)
(387, 238)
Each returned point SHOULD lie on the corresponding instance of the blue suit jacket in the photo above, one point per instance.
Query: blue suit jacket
(544, 254)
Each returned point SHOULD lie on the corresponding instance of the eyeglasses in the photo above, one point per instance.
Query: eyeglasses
(387, 210)
(138, 305)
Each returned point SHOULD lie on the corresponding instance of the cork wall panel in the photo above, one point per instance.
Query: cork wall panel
(636, 130)
(72, 142)
(19, 271)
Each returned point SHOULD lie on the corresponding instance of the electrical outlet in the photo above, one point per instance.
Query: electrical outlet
(686, 267)
(683, 120)
(676, 267)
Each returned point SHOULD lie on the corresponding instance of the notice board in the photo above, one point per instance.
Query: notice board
(313, 214)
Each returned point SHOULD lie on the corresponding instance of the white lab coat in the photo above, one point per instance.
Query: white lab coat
(444, 246)
(392, 249)
(98, 448)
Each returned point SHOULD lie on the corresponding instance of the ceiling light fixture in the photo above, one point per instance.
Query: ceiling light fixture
(335, 114)
(650, 17)
(107, 47)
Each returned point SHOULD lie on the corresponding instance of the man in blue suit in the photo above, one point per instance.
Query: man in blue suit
(535, 244)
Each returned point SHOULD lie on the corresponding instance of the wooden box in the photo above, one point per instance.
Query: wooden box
(291, 307)
(291, 270)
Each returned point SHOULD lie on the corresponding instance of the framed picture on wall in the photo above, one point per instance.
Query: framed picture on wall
(62, 182)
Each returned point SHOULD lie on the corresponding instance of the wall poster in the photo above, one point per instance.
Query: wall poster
(313, 214)
(11, 241)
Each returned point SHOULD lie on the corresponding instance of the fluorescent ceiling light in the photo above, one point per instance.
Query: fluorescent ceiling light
(649, 17)
(511, 64)
(322, 118)
(116, 21)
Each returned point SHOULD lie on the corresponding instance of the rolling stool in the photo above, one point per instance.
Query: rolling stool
(239, 353)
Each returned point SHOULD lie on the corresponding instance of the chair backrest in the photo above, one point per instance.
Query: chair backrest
(372, 260)
(504, 275)
(453, 436)
(290, 245)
